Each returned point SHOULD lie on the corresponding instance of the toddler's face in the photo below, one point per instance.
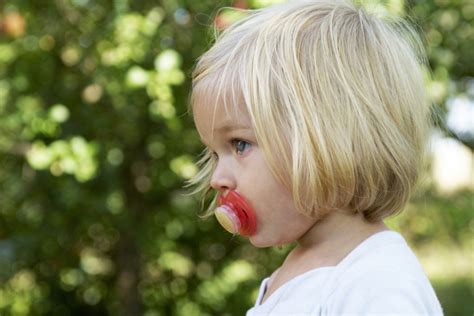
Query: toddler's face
(241, 167)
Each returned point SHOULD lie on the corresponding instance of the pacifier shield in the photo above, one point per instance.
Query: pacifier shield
(235, 214)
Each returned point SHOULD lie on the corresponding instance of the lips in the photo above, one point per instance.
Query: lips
(235, 214)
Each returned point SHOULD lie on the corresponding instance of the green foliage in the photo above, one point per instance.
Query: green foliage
(456, 296)
(96, 142)
(431, 216)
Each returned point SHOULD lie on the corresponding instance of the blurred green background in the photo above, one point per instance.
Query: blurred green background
(96, 143)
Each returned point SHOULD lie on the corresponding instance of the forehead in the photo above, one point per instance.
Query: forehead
(215, 106)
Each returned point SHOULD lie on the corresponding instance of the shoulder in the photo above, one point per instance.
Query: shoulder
(382, 275)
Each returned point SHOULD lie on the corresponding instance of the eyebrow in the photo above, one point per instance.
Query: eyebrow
(226, 128)
(231, 127)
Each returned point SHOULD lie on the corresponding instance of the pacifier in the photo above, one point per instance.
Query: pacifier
(235, 214)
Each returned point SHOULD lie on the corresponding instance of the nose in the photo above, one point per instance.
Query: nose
(223, 178)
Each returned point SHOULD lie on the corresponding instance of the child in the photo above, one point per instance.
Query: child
(314, 118)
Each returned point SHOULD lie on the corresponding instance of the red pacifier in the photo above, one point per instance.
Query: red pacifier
(235, 214)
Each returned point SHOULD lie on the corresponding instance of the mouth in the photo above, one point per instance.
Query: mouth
(235, 214)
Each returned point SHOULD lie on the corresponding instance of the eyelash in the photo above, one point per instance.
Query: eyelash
(234, 142)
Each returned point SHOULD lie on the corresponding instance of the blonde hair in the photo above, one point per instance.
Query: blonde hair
(336, 96)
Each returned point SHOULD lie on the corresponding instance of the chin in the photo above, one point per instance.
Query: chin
(260, 242)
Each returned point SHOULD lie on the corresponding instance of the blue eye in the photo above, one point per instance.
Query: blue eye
(240, 146)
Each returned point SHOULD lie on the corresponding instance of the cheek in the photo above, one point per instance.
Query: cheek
(272, 202)
(268, 200)
(278, 221)
(268, 195)
(275, 211)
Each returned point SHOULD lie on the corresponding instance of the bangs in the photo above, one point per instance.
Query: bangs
(219, 87)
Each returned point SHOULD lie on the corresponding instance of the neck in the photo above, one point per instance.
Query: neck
(336, 234)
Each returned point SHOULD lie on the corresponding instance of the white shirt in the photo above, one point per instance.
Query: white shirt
(381, 276)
